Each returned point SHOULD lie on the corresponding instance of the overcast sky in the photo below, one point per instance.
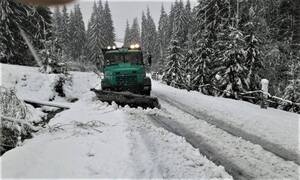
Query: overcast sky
(123, 10)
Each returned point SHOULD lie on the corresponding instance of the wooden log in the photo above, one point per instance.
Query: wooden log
(42, 103)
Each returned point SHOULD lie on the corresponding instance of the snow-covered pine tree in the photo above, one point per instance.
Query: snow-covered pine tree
(96, 40)
(93, 17)
(149, 36)
(234, 73)
(170, 25)
(180, 22)
(109, 32)
(150, 40)
(134, 35)
(253, 50)
(77, 34)
(57, 26)
(189, 57)
(144, 41)
(163, 43)
(126, 36)
(174, 67)
(292, 91)
(33, 20)
(65, 20)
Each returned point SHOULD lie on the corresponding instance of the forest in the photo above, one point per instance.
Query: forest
(219, 47)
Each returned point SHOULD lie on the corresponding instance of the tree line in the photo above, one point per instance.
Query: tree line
(221, 48)
(84, 46)
(224, 48)
(58, 36)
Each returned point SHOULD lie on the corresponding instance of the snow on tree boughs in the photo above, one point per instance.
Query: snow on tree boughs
(174, 67)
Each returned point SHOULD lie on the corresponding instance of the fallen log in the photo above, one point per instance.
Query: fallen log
(42, 103)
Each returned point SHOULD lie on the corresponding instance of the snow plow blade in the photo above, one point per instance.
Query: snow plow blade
(127, 98)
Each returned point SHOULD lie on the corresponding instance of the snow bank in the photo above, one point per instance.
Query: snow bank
(28, 81)
(81, 83)
(278, 127)
(31, 84)
(88, 140)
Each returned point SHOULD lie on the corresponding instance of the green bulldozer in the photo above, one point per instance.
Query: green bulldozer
(125, 81)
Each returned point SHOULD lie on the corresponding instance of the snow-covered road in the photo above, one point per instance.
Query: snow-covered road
(275, 130)
(241, 158)
(96, 140)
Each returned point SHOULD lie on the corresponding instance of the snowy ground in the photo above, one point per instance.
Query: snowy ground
(273, 129)
(93, 139)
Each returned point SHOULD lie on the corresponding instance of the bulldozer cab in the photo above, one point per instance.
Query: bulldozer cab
(123, 55)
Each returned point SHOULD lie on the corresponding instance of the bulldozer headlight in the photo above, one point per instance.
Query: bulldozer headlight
(108, 47)
(135, 46)
(114, 47)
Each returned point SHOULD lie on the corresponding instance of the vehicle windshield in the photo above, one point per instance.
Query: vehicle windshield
(116, 58)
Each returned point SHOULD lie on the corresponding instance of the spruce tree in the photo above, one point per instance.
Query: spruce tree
(234, 71)
(171, 23)
(96, 39)
(126, 37)
(162, 38)
(134, 35)
(57, 25)
(77, 34)
(180, 20)
(149, 38)
(174, 67)
(292, 91)
(65, 20)
(144, 41)
(34, 21)
(109, 31)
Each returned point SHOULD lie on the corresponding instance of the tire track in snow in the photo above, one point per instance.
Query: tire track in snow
(204, 148)
(242, 159)
(165, 155)
(269, 146)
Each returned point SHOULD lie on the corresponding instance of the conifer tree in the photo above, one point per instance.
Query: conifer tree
(34, 21)
(234, 71)
(57, 25)
(65, 20)
(77, 34)
(149, 38)
(109, 31)
(96, 39)
(162, 38)
(144, 41)
(174, 67)
(127, 33)
(134, 35)
(171, 23)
